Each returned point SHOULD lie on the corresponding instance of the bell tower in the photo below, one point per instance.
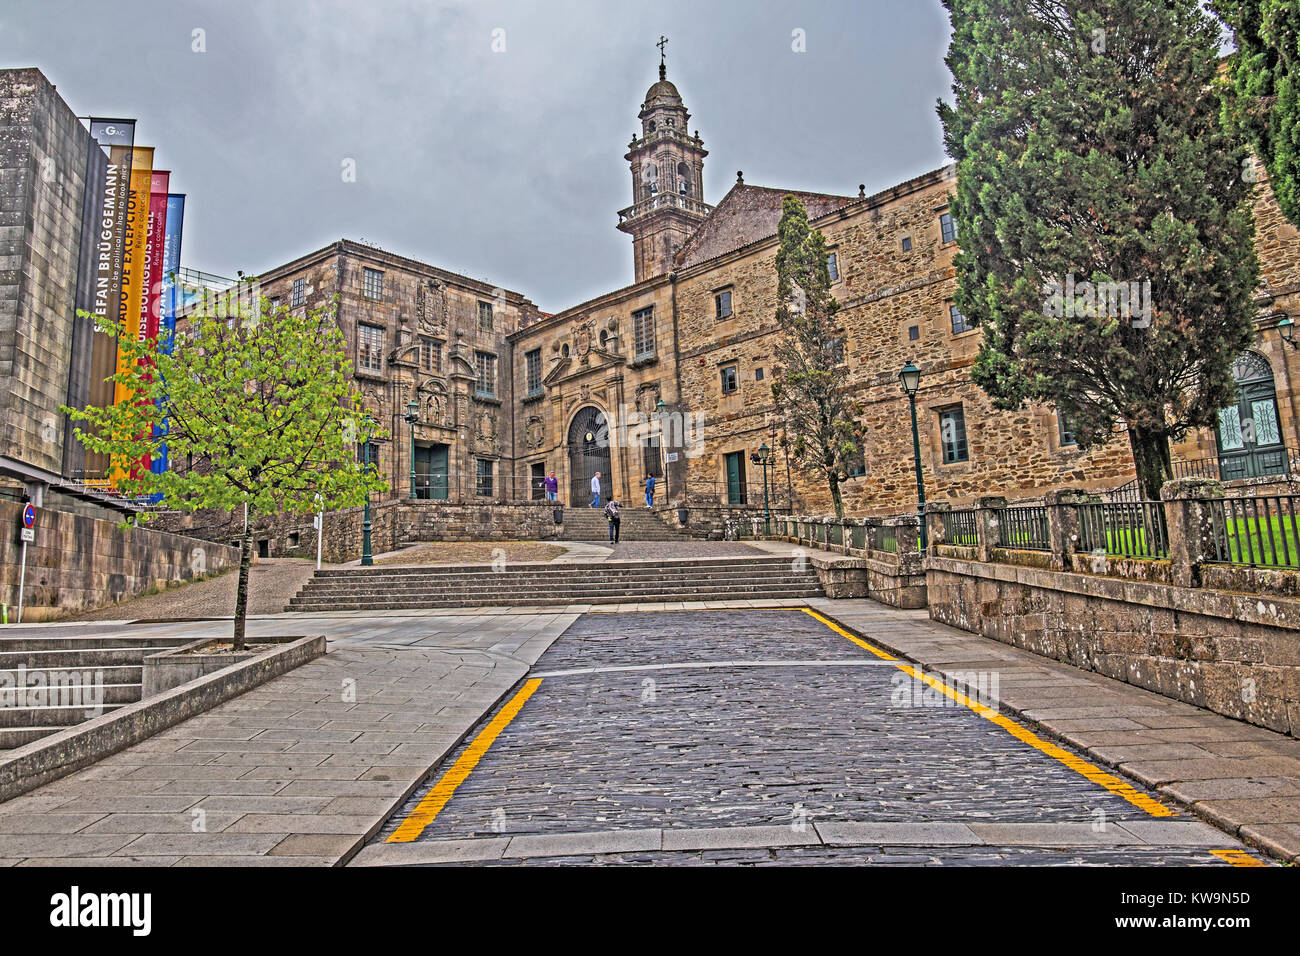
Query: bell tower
(667, 179)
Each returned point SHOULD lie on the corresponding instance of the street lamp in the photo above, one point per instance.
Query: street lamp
(412, 416)
(910, 377)
(367, 559)
(766, 459)
(1286, 328)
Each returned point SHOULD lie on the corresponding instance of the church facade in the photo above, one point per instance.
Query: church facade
(482, 395)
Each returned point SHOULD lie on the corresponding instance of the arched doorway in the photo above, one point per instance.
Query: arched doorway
(588, 454)
(1249, 433)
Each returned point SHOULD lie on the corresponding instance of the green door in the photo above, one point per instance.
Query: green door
(1250, 441)
(735, 478)
(431, 472)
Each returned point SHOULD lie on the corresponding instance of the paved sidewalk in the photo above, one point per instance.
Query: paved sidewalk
(1242, 778)
(298, 771)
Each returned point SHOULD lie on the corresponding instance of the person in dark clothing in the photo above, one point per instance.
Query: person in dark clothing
(615, 520)
(649, 490)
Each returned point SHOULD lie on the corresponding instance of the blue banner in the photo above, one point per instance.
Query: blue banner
(171, 266)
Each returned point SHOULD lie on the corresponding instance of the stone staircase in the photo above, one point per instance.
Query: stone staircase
(48, 684)
(533, 585)
(638, 524)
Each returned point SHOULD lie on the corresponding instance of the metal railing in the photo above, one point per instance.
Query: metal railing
(960, 527)
(1124, 529)
(1024, 529)
(1256, 532)
(884, 538)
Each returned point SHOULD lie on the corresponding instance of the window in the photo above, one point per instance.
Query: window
(533, 363)
(907, 243)
(722, 302)
(947, 230)
(758, 374)
(275, 305)
(651, 459)
(952, 435)
(370, 348)
(564, 349)
(299, 289)
(430, 355)
(643, 332)
(729, 383)
(485, 316)
(835, 348)
(857, 464)
(483, 478)
(374, 454)
(372, 284)
(1065, 428)
(960, 323)
(913, 332)
(833, 266)
(485, 384)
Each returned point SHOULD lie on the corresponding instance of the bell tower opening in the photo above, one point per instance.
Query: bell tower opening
(667, 165)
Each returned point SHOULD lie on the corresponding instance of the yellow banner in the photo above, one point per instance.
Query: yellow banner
(133, 267)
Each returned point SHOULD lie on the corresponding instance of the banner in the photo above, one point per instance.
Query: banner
(137, 222)
(152, 267)
(171, 267)
(116, 137)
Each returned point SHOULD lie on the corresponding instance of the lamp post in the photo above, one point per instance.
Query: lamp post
(910, 377)
(660, 410)
(766, 459)
(1286, 328)
(367, 559)
(412, 416)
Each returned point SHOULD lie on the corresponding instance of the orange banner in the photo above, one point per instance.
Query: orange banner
(133, 253)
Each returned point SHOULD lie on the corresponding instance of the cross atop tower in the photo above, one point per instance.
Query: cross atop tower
(663, 70)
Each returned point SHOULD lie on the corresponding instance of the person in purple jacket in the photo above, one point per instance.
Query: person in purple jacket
(552, 486)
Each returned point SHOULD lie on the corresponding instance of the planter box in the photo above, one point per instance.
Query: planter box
(179, 665)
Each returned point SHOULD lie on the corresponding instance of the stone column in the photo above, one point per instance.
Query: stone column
(935, 513)
(907, 532)
(1189, 513)
(987, 518)
(1063, 524)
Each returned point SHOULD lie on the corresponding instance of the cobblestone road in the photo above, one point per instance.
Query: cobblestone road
(764, 737)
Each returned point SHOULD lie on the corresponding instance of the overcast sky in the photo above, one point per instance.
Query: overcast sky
(506, 166)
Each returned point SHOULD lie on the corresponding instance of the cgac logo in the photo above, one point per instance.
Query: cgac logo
(75, 909)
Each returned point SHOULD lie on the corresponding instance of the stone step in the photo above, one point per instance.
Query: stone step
(95, 657)
(116, 674)
(343, 594)
(589, 572)
(57, 643)
(552, 600)
(508, 596)
(608, 566)
(11, 737)
(70, 707)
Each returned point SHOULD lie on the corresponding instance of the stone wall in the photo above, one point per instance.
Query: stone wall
(78, 563)
(1229, 652)
(43, 149)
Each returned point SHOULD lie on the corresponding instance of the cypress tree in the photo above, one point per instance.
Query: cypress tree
(1103, 219)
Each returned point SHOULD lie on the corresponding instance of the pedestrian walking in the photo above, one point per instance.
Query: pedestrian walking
(552, 486)
(595, 490)
(615, 520)
(649, 490)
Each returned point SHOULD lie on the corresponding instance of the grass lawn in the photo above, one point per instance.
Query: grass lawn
(1271, 542)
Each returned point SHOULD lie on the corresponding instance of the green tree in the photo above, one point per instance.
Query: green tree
(261, 403)
(1104, 225)
(1265, 101)
(810, 381)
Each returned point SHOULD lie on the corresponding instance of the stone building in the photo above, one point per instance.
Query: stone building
(417, 333)
(45, 157)
(671, 375)
(696, 332)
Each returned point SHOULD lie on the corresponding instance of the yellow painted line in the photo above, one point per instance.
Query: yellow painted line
(1098, 776)
(433, 802)
(852, 637)
(1238, 858)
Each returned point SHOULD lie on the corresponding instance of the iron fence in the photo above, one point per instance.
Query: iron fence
(1256, 532)
(1024, 529)
(884, 538)
(960, 527)
(1124, 529)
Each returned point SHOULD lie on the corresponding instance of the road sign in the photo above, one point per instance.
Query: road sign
(29, 534)
(29, 516)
